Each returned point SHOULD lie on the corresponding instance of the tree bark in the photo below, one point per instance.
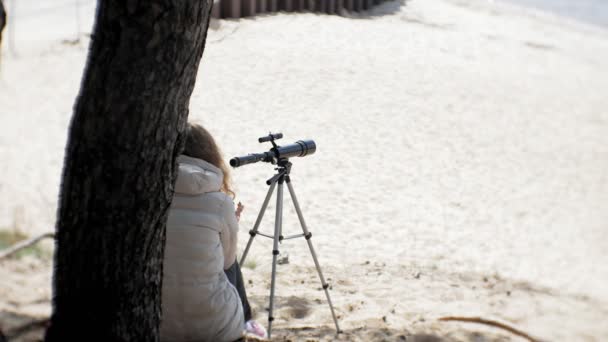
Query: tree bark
(120, 167)
(2, 20)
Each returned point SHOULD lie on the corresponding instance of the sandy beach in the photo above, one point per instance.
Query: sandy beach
(461, 165)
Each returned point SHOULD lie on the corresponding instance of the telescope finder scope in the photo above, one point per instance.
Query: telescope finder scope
(270, 137)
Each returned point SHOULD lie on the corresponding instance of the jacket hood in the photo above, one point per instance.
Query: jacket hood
(196, 176)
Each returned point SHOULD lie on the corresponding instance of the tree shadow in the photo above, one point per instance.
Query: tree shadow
(16, 327)
(328, 333)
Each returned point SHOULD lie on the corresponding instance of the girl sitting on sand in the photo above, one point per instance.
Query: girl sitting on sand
(203, 294)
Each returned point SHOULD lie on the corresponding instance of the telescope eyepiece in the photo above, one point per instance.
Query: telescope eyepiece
(235, 162)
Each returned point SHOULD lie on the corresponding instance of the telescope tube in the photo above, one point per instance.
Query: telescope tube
(300, 148)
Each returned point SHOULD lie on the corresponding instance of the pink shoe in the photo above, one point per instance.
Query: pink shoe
(256, 329)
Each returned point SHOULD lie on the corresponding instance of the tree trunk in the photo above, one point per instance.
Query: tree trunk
(2, 20)
(120, 167)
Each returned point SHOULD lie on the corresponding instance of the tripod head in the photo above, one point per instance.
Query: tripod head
(283, 170)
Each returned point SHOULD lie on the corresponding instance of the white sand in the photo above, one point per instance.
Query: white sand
(462, 164)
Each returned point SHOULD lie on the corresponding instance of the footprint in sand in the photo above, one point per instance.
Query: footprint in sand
(298, 307)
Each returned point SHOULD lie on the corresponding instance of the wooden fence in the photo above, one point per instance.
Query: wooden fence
(247, 8)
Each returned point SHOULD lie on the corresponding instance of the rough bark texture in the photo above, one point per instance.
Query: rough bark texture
(120, 167)
(2, 20)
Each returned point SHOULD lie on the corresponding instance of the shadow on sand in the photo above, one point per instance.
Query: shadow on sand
(22, 328)
(328, 333)
(16, 327)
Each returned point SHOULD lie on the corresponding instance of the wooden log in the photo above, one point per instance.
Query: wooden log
(261, 6)
(272, 5)
(284, 6)
(216, 11)
(339, 6)
(331, 7)
(358, 5)
(224, 8)
(235, 8)
(245, 8)
(230, 8)
(350, 5)
(248, 8)
(319, 6)
(288, 5)
(309, 5)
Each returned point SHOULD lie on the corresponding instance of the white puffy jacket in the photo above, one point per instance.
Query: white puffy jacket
(198, 302)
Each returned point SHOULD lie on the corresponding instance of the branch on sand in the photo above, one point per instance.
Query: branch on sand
(24, 244)
(492, 324)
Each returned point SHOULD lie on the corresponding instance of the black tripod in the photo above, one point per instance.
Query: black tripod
(282, 176)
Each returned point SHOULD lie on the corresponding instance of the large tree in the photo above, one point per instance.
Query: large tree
(120, 166)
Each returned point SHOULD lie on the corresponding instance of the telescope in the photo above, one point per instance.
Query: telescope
(279, 155)
(300, 148)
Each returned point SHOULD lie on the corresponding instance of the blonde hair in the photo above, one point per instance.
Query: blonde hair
(200, 144)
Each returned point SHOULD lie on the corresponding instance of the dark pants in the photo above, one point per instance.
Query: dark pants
(235, 277)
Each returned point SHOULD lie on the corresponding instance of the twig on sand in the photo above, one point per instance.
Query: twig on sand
(493, 324)
(24, 244)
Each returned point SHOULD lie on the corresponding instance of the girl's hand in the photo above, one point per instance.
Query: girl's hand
(239, 210)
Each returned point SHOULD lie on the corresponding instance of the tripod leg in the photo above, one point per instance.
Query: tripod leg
(275, 251)
(308, 235)
(254, 231)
